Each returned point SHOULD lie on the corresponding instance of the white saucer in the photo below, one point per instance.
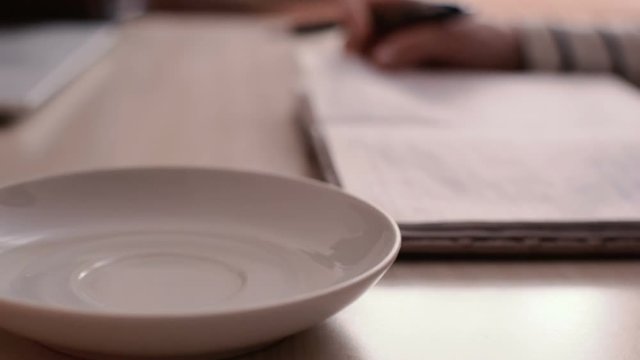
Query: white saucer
(176, 261)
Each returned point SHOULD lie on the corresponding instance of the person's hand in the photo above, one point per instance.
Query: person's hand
(457, 43)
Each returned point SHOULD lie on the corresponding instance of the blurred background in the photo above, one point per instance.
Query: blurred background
(585, 10)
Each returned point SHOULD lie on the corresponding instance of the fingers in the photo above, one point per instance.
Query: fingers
(463, 43)
(358, 24)
(410, 48)
(460, 43)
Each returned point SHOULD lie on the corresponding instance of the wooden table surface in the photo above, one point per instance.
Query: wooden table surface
(216, 91)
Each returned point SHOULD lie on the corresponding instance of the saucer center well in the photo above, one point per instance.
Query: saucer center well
(158, 282)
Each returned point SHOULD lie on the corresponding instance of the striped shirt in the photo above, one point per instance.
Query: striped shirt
(610, 49)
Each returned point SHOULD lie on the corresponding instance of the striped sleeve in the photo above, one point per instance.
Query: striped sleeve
(606, 49)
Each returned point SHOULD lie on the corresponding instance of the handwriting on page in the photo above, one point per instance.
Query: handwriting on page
(420, 175)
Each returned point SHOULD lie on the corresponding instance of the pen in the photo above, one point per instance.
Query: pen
(390, 17)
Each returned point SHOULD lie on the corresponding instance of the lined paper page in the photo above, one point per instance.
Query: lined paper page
(448, 147)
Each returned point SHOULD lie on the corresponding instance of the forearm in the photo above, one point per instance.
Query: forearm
(615, 50)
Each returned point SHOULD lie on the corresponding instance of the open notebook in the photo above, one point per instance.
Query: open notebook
(480, 163)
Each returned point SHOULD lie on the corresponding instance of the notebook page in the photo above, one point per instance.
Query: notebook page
(456, 147)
